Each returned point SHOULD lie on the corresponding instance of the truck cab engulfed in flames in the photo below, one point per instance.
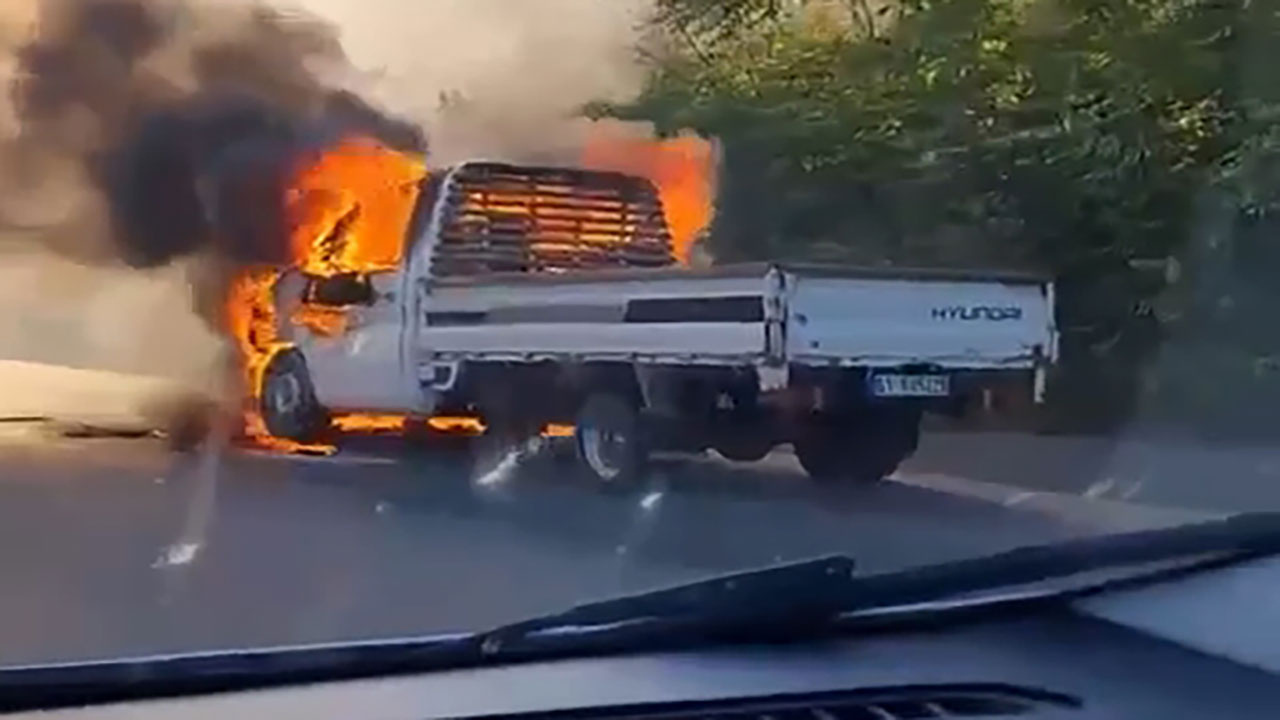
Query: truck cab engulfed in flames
(354, 208)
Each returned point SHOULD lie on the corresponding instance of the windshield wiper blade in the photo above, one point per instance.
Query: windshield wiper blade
(811, 593)
(807, 587)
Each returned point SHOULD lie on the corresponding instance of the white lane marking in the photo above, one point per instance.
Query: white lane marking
(501, 472)
(1089, 511)
(1019, 498)
(1100, 488)
(512, 459)
(200, 509)
(177, 554)
(650, 501)
(1132, 490)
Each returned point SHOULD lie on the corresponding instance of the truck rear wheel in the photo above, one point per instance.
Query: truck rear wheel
(610, 440)
(866, 451)
(288, 403)
(825, 454)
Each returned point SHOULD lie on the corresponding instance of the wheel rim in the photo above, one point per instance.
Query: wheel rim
(605, 451)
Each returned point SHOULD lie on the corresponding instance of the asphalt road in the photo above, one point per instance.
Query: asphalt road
(115, 547)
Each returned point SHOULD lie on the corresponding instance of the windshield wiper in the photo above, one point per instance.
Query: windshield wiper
(791, 598)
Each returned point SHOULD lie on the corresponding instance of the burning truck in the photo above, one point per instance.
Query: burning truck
(528, 297)
(365, 289)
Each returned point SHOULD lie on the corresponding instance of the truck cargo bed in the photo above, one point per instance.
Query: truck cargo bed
(745, 314)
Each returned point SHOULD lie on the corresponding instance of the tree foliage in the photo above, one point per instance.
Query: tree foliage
(1126, 146)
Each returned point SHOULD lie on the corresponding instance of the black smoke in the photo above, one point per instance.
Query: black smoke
(184, 118)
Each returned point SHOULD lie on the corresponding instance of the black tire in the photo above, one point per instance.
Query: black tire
(288, 404)
(824, 453)
(609, 439)
(867, 451)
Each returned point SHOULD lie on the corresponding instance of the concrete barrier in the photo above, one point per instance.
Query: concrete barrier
(35, 392)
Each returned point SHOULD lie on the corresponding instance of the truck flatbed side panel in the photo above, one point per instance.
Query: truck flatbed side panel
(682, 317)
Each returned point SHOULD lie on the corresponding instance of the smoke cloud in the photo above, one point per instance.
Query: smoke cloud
(155, 133)
(165, 112)
(495, 78)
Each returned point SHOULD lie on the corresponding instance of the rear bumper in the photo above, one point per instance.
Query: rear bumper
(832, 388)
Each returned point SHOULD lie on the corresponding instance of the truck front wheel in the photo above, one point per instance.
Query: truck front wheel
(610, 440)
(288, 403)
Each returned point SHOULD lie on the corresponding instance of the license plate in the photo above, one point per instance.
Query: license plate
(910, 385)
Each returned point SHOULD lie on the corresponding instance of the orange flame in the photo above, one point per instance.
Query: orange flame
(251, 321)
(348, 208)
(558, 430)
(461, 425)
(367, 423)
(465, 425)
(683, 169)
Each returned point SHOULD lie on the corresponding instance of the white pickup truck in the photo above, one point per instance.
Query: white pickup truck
(531, 296)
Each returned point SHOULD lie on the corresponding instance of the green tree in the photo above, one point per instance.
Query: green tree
(1105, 141)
